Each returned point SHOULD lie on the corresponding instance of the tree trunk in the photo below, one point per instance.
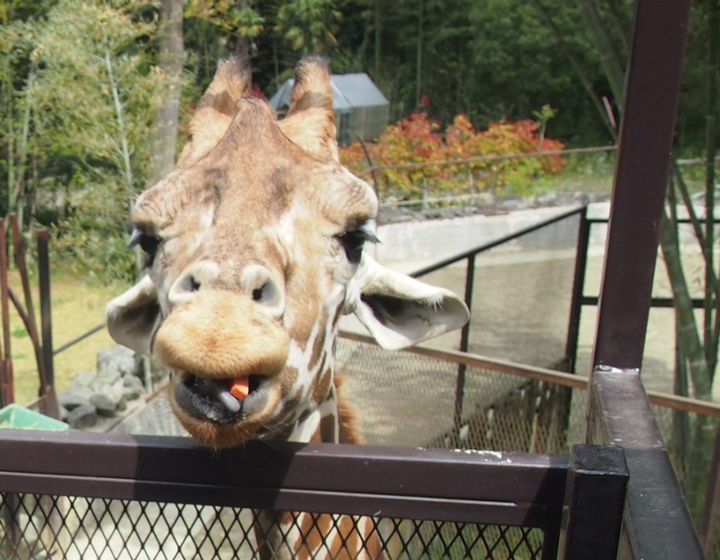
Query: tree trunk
(711, 300)
(378, 39)
(172, 60)
(611, 63)
(122, 131)
(243, 46)
(687, 333)
(418, 61)
(587, 84)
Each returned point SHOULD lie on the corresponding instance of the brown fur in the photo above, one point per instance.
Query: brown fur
(348, 417)
(311, 119)
(251, 192)
(204, 337)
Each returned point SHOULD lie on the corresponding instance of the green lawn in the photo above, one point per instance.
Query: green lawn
(78, 304)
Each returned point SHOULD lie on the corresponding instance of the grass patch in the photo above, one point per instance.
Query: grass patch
(78, 304)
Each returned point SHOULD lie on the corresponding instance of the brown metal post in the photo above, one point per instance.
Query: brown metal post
(712, 502)
(594, 499)
(6, 371)
(641, 177)
(51, 405)
(464, 341)
(27, 314)
(657, 523)
(581, 255)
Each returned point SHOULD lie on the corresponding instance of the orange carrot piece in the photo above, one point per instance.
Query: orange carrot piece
(240, 388)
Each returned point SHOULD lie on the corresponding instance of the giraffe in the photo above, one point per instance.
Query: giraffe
(254, 251)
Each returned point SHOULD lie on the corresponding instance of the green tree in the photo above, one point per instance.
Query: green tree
(309, 26)
(93, 98)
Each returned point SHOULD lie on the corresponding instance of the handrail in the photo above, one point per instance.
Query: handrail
(332, 478)
(499, 241)
(570, 380)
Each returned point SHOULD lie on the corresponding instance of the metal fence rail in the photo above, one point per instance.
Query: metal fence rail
(80, 495)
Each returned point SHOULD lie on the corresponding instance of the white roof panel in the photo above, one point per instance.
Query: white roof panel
(349, 90)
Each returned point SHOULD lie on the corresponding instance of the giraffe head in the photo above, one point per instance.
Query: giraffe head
(254, 248)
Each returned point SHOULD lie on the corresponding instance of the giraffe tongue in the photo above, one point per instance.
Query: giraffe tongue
(240, 387)
(233, 399)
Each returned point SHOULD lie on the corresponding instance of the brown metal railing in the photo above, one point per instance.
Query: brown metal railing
(41, 338)
(533, 373)
(474, 489)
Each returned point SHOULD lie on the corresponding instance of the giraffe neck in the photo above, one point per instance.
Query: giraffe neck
(315, 386)
(327, 418)
(320, 424)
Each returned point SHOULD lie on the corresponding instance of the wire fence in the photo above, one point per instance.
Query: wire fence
(77, 528)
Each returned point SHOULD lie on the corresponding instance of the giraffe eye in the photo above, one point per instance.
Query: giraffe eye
(352, 243)
(147, 242)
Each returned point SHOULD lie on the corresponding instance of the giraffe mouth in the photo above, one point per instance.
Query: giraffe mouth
(218, 400)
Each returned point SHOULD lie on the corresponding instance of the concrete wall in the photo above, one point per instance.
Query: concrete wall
(410, 245)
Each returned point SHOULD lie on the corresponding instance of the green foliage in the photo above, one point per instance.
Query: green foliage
(228, 16)
(308, 26)
(67, 151)
(91, 97)
(417, 140)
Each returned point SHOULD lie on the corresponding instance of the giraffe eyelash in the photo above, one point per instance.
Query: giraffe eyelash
(352, 242)
(148, 242)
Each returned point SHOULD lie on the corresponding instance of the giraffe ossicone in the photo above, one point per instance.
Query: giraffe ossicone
(254, 248)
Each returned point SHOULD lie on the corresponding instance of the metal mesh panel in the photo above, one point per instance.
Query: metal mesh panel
(499, 412)
(44, 527)
(521, 296)
(690, 440)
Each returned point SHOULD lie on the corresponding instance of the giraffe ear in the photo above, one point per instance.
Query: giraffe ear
(400, 311)
(310, 122)
(133, 317)
(217, 107)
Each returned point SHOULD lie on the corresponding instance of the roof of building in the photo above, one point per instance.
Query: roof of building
(350, 91)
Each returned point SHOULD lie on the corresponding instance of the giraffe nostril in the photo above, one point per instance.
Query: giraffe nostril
(263, 289)
(193, 284)
(267, 294)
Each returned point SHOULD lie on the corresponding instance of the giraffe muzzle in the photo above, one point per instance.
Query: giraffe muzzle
(211, 399)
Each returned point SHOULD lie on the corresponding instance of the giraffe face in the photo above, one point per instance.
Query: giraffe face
(254, 249)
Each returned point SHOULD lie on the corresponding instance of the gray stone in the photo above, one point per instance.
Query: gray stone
(85, 379)
(133, 388)
(108, 399)
(64, 413)
(75, 398)
(104, 405)
(108, 376)
(83, 416)
(117, 362)
(547, 199)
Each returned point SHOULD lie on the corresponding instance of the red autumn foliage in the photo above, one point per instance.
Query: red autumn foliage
(418, 140)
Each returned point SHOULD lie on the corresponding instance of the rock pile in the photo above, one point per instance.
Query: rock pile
(104, 393)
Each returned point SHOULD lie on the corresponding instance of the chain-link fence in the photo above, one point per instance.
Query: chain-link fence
(496, 412)
(521, 289)
(86, 498)
(78, 528)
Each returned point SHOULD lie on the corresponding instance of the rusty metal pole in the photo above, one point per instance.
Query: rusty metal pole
(7, 370)
(464, 342)
(28, 314)
(50, 397)
(581, 254)
(657, 523)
